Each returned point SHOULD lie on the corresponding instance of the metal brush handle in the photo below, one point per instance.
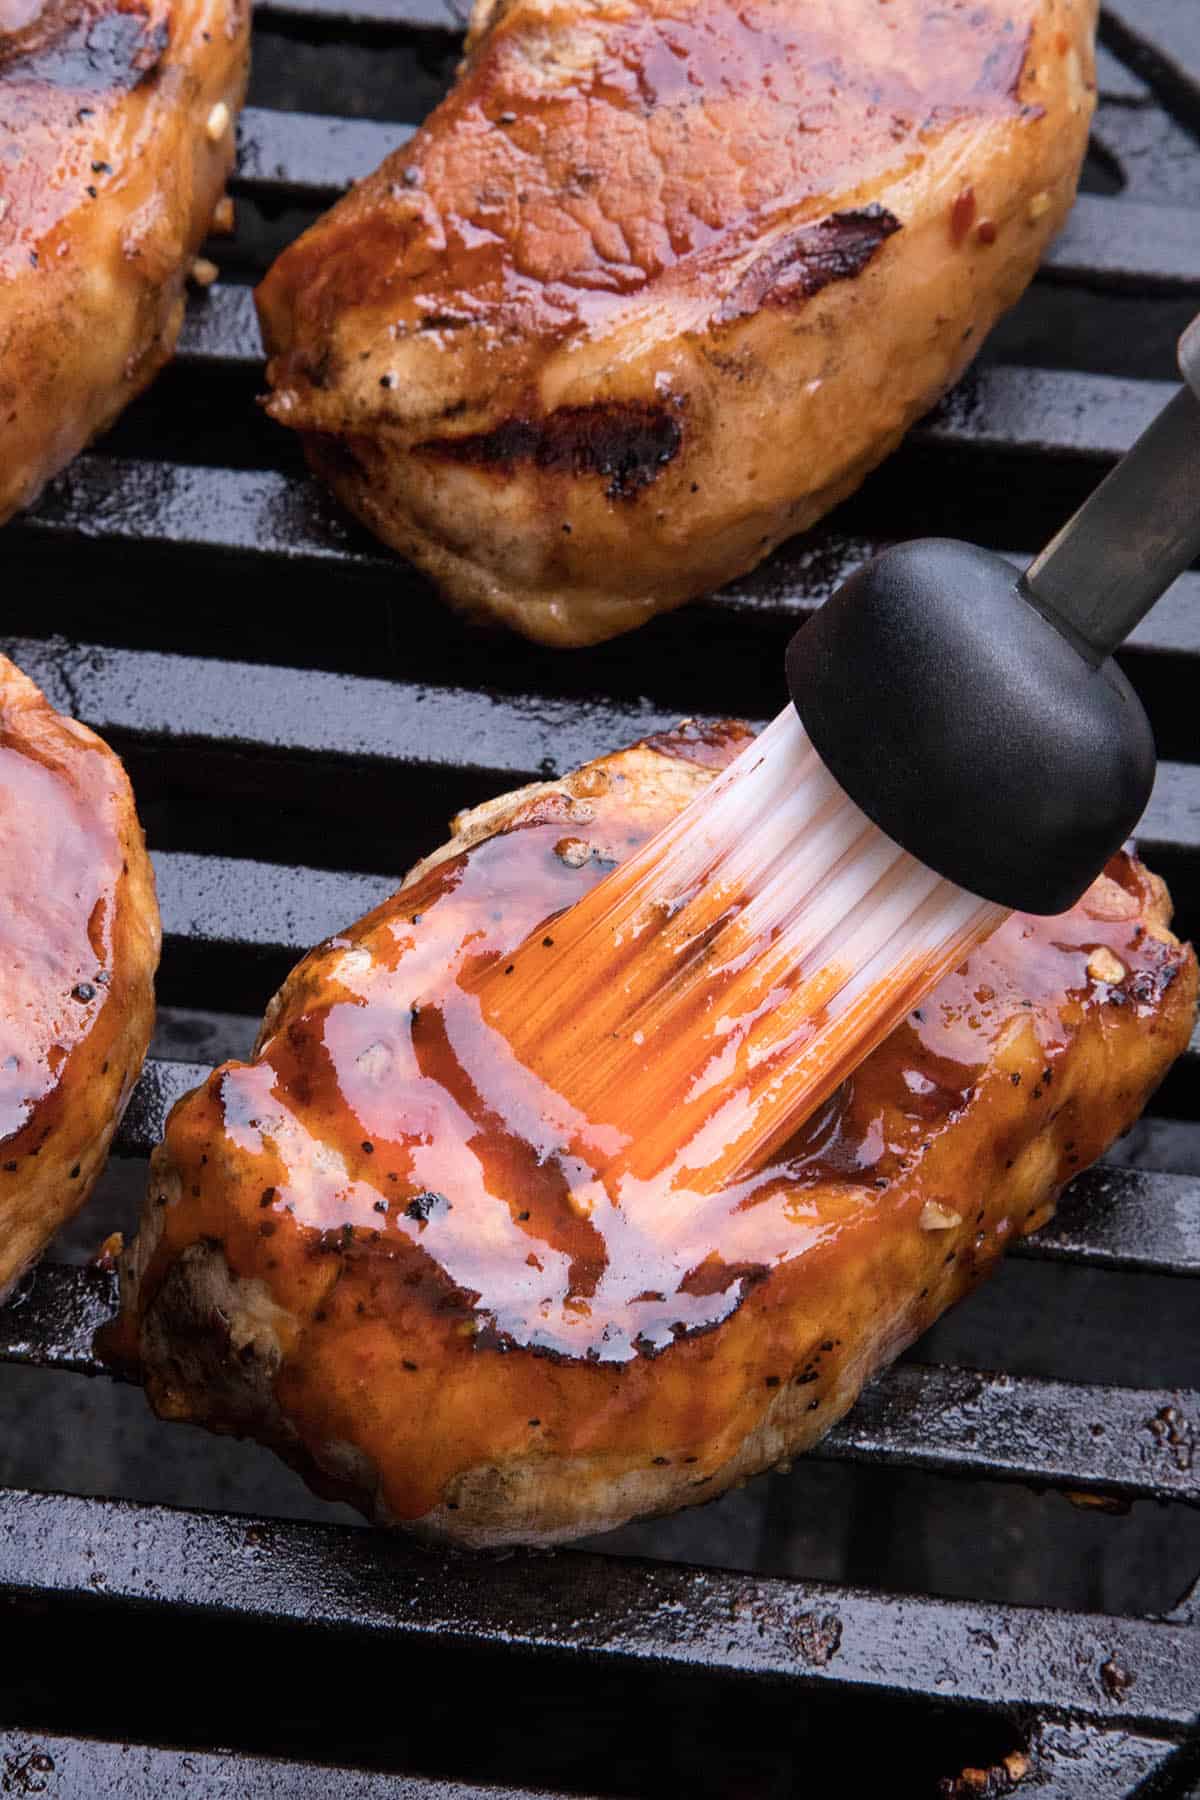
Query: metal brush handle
(1137, 532)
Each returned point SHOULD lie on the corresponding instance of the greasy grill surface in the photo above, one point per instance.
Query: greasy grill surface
(300, 717)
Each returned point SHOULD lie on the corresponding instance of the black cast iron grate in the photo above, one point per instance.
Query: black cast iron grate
(300, 717)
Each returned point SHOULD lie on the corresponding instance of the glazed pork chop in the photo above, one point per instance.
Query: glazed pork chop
(79, 941)
(661, 280)
(365, 1246)
(116, 138)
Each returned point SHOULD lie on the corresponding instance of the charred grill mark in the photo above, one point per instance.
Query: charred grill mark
(627, 441)
(800, 265)
(90, 50)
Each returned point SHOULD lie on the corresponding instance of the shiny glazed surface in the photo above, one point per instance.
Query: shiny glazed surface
(110, 167)
(79, 939)
(661, 279)
(380, 1206)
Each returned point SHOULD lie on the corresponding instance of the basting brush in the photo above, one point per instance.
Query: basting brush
(958, 745)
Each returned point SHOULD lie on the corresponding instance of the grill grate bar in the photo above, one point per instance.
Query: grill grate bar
(81, 1768)
(401, 15)
(1116, 81)
(1136, 1220)
(1068, 1760)
(1127, 1443)
(1128, 245)
(52, 1319)
(163, 698)
(1158, 38)
(158, 699)
(1044, 412)
(572, 1605)
(259, 512)
(150, 508)
(259, 905)
(313, 157)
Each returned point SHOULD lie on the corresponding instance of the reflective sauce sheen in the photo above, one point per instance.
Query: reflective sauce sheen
(58, 871)
(65, 68)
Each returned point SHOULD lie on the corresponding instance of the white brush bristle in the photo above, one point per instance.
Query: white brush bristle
(711, 992)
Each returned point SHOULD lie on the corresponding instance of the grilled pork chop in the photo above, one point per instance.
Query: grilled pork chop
(661, 280)
(117, 117)
(79, 940)
(362, 1246)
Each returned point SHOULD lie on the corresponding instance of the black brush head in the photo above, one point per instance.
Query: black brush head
(969, 728)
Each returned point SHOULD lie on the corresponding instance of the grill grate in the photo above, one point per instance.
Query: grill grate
(291, 758)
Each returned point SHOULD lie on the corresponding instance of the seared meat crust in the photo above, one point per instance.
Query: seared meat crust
(79, 942)
(661, 280)
(118, 117)
(361, 1248)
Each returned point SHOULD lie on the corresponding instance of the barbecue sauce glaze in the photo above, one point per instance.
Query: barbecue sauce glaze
(79, 939)
(404, 1190)
(59, 870)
